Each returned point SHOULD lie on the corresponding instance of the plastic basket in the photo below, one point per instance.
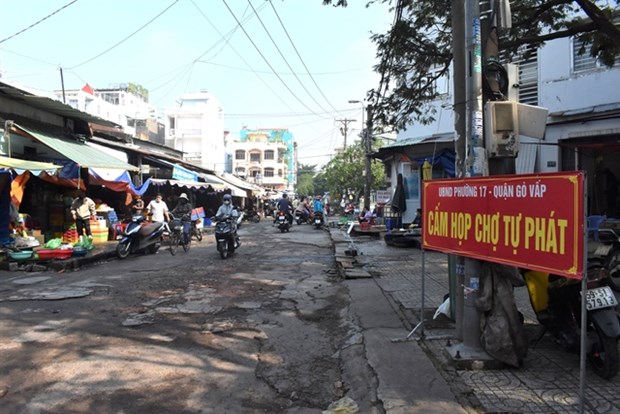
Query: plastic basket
(100, 235)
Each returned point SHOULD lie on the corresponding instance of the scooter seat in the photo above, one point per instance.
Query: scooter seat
(149, 228)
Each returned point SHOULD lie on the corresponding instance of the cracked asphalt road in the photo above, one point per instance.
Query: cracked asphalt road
(261, 332)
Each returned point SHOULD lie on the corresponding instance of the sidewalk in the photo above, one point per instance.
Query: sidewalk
(547, 383)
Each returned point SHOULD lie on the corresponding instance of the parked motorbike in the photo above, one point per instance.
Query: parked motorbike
(283, 222)
(226, 238)
(252, 215)
(607, 250)
(141, 237)
(557, 303)
(317, 218)
(195, 231)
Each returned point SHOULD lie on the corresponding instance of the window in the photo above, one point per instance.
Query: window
(254, 172)
(240, 171)
(255, 157)
(268, 172)
(269, 154)
(240, 155)
(280, 172)
(528, 79)
(441, 85)
(582, 60)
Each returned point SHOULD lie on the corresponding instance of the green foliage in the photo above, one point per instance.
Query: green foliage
(421, 40)
(344, 174)
(138, 90)
(305, 180)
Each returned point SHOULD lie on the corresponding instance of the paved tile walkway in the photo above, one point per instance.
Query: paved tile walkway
(547, 383)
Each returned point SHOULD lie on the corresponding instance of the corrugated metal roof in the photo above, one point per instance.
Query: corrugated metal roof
(78, 152)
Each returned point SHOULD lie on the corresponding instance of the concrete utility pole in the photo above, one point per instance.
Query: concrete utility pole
(476, 164)
(458, 65)
(368, 147)
(344, 129)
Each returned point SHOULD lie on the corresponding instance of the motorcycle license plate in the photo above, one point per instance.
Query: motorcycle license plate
(599, 298)
(281, 218)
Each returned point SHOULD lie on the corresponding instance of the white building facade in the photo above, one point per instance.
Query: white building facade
(125, 104)
(261, 161)
(583, 126)
(196, 127)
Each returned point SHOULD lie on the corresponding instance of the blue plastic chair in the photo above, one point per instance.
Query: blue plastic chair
(593, 223)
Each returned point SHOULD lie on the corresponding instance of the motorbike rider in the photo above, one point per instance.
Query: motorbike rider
(228, 210)
(302, 209)
(183, 210)
(317, 206)
(284, 204)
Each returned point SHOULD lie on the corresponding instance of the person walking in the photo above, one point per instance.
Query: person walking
(158, 209)
(82, 211)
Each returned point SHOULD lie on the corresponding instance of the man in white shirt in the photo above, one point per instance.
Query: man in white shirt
(158, 209)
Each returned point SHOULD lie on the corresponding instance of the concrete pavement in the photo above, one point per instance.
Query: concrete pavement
(418, 376)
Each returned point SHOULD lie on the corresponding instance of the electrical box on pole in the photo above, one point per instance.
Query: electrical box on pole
(501, 124)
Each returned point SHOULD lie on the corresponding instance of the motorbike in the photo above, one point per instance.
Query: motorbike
(606, 248)
(283, 221)
(195, 231)
(301, 217)
(317, 219)
(252, 215)
(139, 236)
(349, 209)
(557, 303)
(226, 238)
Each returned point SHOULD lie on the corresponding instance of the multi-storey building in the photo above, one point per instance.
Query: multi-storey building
(582, 128)
(265, 157)
(125, 104)
(196, 127)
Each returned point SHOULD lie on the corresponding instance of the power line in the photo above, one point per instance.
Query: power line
(284, 58)
(240, 56)
(264, 72)
(299, 56)
(36, 23)
(344, 130)
(126, 38)
(266, 60)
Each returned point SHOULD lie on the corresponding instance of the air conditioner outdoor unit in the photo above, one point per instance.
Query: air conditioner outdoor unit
(171, 131)
(501, 124)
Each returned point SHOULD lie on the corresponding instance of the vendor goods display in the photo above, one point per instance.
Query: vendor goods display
(20, 255)
(47, 254)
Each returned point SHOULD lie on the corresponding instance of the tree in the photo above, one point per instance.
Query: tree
(420, 40)
(344, 174)
(305, 179)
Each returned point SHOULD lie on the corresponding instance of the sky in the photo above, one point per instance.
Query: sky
(291, 64)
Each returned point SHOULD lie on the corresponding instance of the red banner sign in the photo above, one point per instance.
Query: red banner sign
(534, 221)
